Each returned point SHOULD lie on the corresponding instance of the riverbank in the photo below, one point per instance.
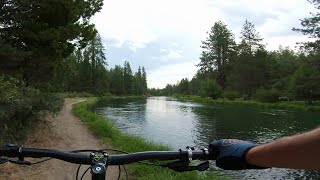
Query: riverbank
(106, 130)
(295, 105)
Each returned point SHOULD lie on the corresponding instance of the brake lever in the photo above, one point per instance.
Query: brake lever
(20, 162)
(182, 166)
(200, 167)
(3, 160)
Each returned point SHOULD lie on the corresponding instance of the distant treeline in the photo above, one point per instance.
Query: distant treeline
(85, 70)
(247, 70)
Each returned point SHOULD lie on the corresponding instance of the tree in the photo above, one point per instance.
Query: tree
(194, 85)
(117, 80)
(85, 74)
(137, 82)
(219, 47)
(305, 83)
(144, 84)
(183, 86)
(281, 65)
(248, 70)
(251, 40)
(140, 81)
(128, 78)
(94, 54)
(311, 27)
(35, 35)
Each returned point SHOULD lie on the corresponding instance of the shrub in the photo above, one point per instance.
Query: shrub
(209, 88)
(21, 107)
(267, 95)
(74, 94)
(230, 95)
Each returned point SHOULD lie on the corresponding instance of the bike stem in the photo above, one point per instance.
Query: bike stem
(99, 165)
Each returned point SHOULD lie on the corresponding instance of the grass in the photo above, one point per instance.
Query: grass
(295, 105)
(106, 130)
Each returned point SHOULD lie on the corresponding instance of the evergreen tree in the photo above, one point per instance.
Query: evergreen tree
(219, 47)
(311, 27)
(249, 69)
(117, 80)
(35, 35)
(96, 56)
(251, 40)
(137, 82)
(128, 78)
(144, 85)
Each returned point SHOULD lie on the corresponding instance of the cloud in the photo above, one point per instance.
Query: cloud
(122, 23)
(161, 34)
(171, 54)
(170, 74)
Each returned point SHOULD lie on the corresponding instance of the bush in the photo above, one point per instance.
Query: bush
(21, 107)
(230, 95)
(74, 94)
(267, 95)
(209, 88)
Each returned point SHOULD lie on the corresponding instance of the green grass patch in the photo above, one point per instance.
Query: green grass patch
(106, 130)
(295, 105)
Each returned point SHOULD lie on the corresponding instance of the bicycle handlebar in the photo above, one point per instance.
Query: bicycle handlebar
(155, 155)
(76, 158)
(119, 159)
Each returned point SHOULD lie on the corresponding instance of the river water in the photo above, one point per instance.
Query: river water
(179, 124)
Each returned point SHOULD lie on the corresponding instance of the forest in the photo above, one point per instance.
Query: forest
(247, 70)
(48, 48)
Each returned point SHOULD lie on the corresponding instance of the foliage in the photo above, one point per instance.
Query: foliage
(219, 48)
(267, 95)
(74, 94)
(311, 27)
(36, 35)
(230, 95)
(249, 70)
(86, 71)
(292, 105)
(305, 82)
(8, 89)
(251, 40)
(210, 88)
(123, 82)
(21, 107)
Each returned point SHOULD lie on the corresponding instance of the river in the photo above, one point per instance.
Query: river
(179, 124)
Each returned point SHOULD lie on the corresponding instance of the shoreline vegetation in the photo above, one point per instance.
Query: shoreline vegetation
(294, 105)
(108, 132)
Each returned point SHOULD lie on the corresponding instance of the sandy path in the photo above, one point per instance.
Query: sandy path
(66, 132)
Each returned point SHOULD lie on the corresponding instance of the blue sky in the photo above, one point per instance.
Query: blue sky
(165, 36)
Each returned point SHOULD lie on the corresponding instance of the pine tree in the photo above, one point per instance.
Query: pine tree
(144, 85)
(128, 78)
(251, 40)
(35, 35)
(311, 27)
(219, 47)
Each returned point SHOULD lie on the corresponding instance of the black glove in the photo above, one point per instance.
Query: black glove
(232, 154)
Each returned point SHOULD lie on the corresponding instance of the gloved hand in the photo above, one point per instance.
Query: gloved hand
(232, 154)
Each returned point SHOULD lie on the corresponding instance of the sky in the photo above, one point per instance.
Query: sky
(165, 36)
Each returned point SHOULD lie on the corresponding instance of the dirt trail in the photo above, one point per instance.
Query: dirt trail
(66, 132)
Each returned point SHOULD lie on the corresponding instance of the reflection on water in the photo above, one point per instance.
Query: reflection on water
(180, 124)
